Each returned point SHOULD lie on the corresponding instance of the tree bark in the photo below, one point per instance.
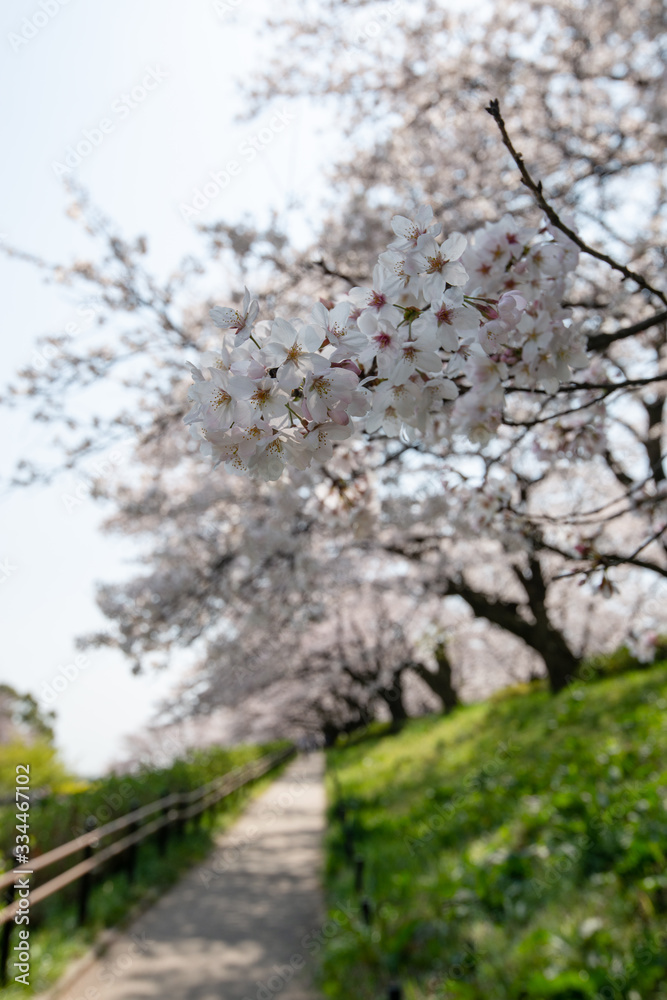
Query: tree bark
(392, 695)
(541, 635)
(440, 680)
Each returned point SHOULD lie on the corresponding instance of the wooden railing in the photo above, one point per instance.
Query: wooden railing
(175, 808)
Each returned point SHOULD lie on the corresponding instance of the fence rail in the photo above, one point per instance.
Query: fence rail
(177, 807)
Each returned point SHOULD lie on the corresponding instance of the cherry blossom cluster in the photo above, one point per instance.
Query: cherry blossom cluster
(429, 349)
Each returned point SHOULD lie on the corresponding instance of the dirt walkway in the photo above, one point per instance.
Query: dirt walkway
(235, 928)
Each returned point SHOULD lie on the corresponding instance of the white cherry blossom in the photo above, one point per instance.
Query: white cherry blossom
(425, 350)
(409, 230)
(239, 320)
(268, 400)
(220, 400)
(327, 394)
(418, 353)
(294, 352)
(440, 264)
(447, 318)
(336, 326)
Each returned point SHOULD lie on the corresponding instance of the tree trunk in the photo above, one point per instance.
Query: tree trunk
(541, 635)
(330, 733)
(392, 695)
(440, 680)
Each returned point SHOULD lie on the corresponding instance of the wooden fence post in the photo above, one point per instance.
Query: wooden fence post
(366, 911)
(182, 822)
(84, 885)
(132, 849)
(359, 864)
(163, 832)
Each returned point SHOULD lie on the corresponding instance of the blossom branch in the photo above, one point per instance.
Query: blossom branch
(536, 190)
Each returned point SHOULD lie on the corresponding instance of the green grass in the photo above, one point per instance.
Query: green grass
(56, 940)
(514, 850)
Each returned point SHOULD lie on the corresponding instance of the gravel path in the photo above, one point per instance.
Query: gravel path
(238, 926)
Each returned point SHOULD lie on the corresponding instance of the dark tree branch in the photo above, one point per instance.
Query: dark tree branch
(324, 267)
(535, 189)
(541, 635)
(623, 478)
(599, 341)
(653, 442)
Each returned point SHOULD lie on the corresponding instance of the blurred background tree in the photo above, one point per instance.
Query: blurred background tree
(26, 736)
(569, 490)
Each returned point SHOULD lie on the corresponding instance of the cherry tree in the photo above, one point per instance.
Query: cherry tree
(474, 349)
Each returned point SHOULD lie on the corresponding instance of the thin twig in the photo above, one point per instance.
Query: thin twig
(551, 417)
(630, 383)
(535, 189)
(324, 267)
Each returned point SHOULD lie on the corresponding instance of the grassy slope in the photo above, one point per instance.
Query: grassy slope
(513, 850)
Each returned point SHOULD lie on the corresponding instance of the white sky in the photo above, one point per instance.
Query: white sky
(67, 78)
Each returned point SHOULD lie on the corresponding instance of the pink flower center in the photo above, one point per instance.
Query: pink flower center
(221, 398)
(436, 264)
(445, 315)
(320, 385)
(293, 354)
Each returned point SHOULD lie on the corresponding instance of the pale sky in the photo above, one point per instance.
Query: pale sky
(65, 69)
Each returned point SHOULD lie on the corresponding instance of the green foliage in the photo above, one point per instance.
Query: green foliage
(23, 712)
(46, 768)
(611, 664)
(514, 850)
(620, 661)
